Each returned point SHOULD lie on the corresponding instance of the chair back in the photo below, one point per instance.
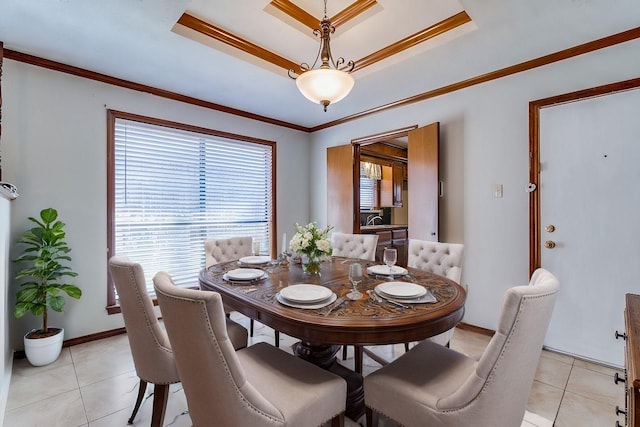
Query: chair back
(223, 250)
(150, 347)
(213, 378)
(362, 246)
(444, 259)
(498, 391)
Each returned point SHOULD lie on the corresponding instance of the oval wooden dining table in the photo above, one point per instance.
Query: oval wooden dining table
(324, 330)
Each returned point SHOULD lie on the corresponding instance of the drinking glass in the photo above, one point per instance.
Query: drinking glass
(355, 277)
(256, 248)
(390, 257)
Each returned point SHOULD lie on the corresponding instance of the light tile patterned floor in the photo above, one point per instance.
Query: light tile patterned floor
(95, 385)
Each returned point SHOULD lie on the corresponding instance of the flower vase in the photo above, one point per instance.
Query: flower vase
(311, 265)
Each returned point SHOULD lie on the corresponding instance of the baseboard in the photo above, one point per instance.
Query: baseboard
(19, 354)
(476, 329)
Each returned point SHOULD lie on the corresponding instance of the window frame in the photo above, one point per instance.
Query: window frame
(113, 306)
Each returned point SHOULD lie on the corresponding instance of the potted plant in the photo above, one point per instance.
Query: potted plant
(45, 274)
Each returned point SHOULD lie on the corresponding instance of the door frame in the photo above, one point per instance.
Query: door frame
(534, 153)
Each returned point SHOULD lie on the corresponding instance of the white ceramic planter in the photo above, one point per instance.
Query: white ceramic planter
(43, 351)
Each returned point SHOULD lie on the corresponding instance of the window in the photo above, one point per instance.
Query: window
(370, 174)
(171, 186)
(368, 191)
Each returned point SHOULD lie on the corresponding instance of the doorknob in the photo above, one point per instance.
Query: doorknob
(550, 228)
(549, 244)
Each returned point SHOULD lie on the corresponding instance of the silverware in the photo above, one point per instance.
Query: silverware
(382, 300)
(335, 305)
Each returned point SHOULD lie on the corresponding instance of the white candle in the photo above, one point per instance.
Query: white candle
(284, 242)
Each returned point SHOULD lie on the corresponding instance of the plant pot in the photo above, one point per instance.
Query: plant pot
(43, 351)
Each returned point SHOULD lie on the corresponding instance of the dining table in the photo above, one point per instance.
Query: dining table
(325, 327)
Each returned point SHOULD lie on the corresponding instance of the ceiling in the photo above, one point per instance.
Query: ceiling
(453, 40)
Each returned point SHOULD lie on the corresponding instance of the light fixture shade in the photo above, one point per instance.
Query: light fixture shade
(325, 84)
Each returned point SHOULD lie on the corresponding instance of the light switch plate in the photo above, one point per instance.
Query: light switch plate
(497, 191)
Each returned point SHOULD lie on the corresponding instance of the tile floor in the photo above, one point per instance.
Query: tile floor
(95, 385)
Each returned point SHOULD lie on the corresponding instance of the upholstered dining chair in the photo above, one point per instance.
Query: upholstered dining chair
(444, 259)
(150, 347)
(260, 385)
(435, 385)
(362, 246)
(223, 250)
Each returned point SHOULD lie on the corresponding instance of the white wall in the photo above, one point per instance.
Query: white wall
(54, 151)
(484, 141)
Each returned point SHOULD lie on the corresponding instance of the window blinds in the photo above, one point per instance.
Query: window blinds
(175, 188)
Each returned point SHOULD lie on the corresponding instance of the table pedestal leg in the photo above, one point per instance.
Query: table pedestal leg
(324, 355)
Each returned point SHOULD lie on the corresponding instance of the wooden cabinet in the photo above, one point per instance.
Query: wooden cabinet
(391, 185)
(398, 179)
(632, 359)
(384, 241)
(386, 187)
(401, 243)
(392, 238)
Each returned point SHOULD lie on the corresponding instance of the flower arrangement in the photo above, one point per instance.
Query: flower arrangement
(312, 242)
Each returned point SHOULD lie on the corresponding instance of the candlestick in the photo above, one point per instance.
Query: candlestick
(284, 242)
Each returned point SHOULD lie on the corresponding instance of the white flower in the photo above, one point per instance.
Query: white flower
(324, 245)
(311, 241)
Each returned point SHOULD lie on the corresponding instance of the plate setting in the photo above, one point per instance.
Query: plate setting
(307, 306)
(306, 296)
(244, 275)
(383, 270)
(254, 260)
(404, 293)
(400, 290)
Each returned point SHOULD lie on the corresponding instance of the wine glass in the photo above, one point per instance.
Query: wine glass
(390, 257)
(355, 276)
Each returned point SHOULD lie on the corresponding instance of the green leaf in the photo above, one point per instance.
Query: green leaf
(72, 290)
(48, 215)
(38, 309)
(56, 303)
(21, 309)
(28, 294)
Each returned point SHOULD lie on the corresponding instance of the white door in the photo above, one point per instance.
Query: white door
(590, 193)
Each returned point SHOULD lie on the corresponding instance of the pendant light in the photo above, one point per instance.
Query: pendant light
(328, 83)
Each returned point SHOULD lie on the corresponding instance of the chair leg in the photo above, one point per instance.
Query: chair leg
(277, 337)
(251, 328)
(344, 352)
(338, 420)
(406, 347)
(142, 388)
(372, 417)
(160, 396)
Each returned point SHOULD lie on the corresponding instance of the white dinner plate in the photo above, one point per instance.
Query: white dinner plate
(241, 274)
(255, 260)
(306, 294)
(400, 290)
(283, 300)
(384, 270)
